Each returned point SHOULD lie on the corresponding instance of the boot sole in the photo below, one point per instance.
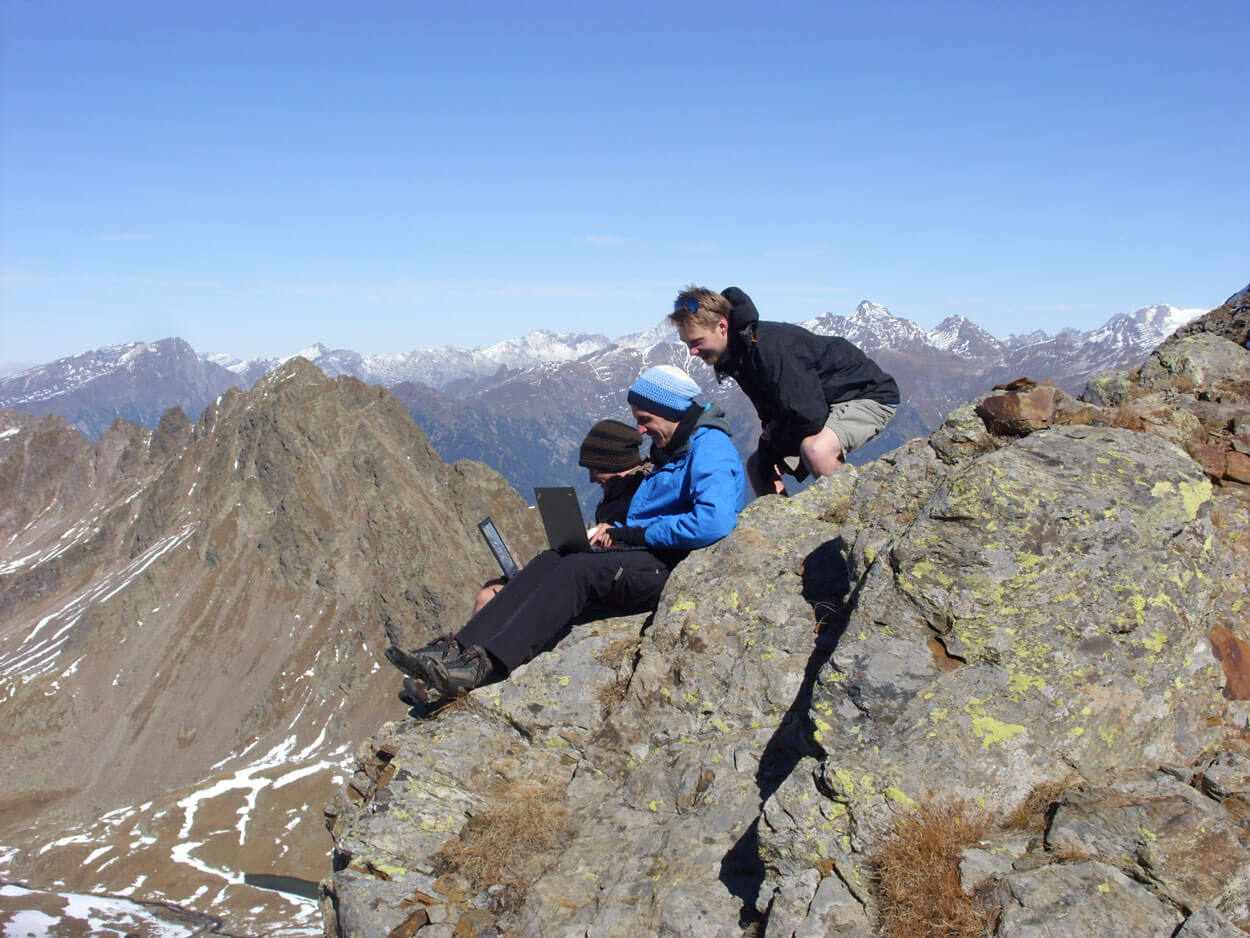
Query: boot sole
(437, 677)
(417, 666)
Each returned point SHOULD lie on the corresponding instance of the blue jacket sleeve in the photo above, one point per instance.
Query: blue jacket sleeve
(715, 485)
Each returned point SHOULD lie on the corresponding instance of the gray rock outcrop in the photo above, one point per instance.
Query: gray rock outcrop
(1038, 613)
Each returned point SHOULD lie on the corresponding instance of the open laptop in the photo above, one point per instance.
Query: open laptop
(494, 540)
(562, 517)
(567, 530)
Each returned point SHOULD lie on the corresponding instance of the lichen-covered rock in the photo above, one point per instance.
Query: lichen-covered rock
(1046, 610)
(1041, 617)
(661, 774)
(1159, 831)
(1208, 922)
(1230, 321)
(1193, 390)
(1081, 900)
(394, 818)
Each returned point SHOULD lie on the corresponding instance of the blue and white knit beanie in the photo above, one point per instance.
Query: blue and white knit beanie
(665, 391)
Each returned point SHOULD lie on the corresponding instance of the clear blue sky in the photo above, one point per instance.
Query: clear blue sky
(258, 176)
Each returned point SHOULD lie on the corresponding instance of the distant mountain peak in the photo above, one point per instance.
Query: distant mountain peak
(961, 336)
(871, 327)
(313, 352)
(871, 310)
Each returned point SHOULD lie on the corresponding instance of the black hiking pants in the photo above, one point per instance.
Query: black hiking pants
(553, 589)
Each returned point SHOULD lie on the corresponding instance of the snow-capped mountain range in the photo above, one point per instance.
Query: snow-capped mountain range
(871, 326)
(437, 367)
(517, 379)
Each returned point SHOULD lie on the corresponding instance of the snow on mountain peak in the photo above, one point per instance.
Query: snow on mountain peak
(312, 353)
(871, 327)
(542, 345)
(659, 334)
(1147, 326)
(963, 337)
(136, 351)
(870, 310)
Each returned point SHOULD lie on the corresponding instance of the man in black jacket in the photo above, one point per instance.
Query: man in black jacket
(818, 397)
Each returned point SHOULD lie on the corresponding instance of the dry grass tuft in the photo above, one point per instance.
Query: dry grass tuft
(917, 874)
(614, 657)
(1125, 419)
(1030, 814)
(508, 844)
(1071, 855)
(838, 512)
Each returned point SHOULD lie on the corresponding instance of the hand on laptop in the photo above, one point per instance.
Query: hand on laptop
(599, 539)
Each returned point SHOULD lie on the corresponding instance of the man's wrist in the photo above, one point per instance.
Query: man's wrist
(627, 534)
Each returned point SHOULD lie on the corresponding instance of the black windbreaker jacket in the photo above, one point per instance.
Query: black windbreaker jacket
(792, 375)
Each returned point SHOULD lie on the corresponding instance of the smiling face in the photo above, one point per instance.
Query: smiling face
(659, 429)
(603, 477)
(707, 342)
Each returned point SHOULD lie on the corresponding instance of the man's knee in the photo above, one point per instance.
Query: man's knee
(822, 452)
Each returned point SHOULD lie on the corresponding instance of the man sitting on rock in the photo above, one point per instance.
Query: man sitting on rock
(690, 499)
(817, 396)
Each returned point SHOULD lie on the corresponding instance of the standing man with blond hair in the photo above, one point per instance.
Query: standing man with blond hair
(818, 397)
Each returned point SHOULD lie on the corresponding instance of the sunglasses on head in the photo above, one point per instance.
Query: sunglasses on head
(690, 304)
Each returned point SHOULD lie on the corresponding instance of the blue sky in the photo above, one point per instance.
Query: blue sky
(256, 177)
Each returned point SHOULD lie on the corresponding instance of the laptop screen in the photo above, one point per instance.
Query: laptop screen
(495, 541)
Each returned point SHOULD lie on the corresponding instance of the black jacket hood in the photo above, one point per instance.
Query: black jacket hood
(743, 318)
(742, 312)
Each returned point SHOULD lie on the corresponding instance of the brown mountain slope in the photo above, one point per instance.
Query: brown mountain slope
(192, 626)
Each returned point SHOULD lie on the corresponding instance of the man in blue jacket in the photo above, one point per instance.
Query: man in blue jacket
(690, 500)
(817, 396)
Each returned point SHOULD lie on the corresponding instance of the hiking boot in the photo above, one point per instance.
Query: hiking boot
(455, 677)
(417, 663)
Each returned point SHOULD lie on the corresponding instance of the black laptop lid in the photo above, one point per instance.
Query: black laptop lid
(562, 517)
(567, 531)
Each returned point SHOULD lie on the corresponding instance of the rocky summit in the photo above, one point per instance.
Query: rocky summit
(1017, 649)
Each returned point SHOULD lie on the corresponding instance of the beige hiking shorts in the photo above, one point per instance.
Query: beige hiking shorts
(855, 423)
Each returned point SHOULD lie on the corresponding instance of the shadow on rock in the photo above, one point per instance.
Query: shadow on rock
(826, 587)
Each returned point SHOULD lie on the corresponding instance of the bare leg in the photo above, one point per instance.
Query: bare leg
(822, 452)
(764, 480)
(487, 593)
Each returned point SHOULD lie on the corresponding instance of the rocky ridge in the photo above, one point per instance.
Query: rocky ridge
(192, 621)
(1037, 614)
